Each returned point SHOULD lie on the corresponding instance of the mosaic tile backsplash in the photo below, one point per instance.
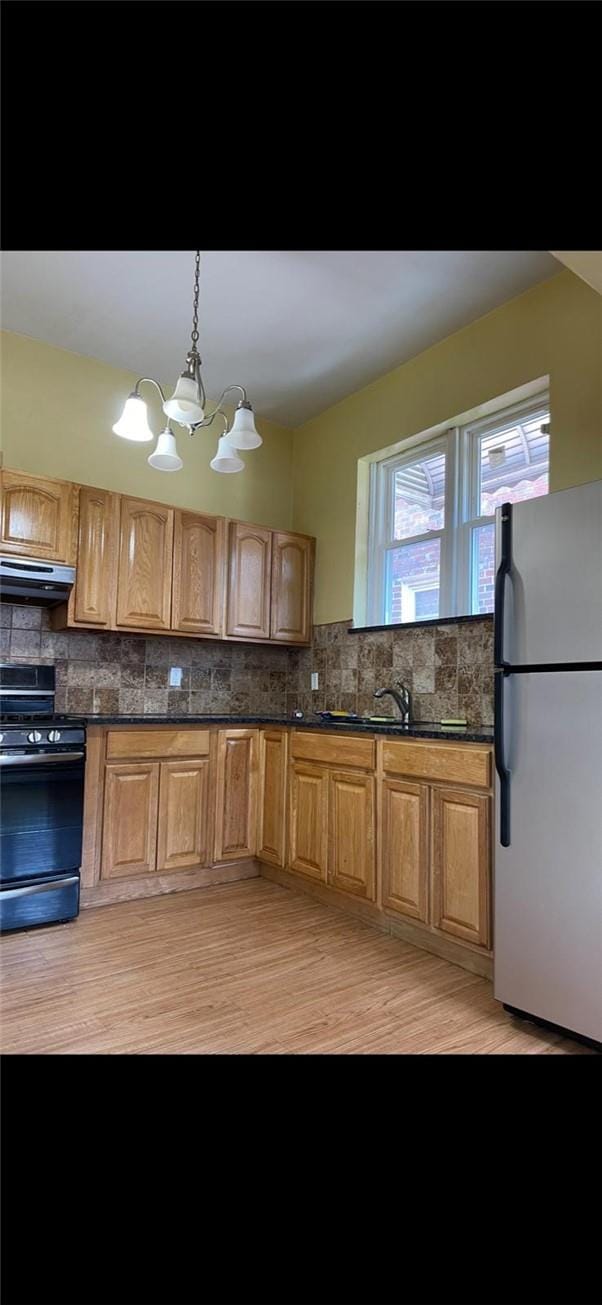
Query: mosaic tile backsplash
(110, 674)
(448, 668)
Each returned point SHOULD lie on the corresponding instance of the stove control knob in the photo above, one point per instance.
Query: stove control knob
(54, 736)
(34, 737)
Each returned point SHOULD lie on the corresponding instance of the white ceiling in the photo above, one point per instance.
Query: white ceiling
(299, 328)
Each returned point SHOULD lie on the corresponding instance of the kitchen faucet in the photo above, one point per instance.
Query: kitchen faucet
(402, 697)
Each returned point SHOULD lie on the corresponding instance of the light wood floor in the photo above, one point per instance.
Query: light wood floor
(244, 968)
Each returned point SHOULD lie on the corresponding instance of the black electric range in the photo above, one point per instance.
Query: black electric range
(42, 768)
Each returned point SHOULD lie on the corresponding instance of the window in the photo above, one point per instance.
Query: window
(431, 537)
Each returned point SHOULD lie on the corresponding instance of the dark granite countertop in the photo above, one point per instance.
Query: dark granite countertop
(419, 730)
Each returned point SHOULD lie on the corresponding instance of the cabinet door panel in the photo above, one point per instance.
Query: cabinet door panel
(291, 588)
(461, 864)
(308, 820)
(129, 840)
(93, 598)
(236, 813)
(198, 573)
(250, 550)
(183, 812)
(405, 847)
(272, 806)
(145, 563)
(37, 517)
(351, 834)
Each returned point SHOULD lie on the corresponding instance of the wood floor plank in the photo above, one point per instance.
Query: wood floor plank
(249, 968)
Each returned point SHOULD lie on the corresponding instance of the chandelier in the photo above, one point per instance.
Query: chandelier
(187, 407)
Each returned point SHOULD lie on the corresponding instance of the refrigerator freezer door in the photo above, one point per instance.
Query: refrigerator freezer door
(553, 597)
(548, 882)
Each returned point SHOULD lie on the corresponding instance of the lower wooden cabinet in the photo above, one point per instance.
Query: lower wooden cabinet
(461, 861)
(237, 792)
(156, 817)
(405, 849)
(129, 843)
(183, 837)
(351, 859)
(437, 869)
(271, 842)
(332, 827)
(308, 838)
(190, 797)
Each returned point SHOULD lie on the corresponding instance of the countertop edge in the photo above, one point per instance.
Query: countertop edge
(428, 730)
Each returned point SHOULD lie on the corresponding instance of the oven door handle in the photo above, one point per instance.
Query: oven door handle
(7, 692)
(41, 758)
(50, 887)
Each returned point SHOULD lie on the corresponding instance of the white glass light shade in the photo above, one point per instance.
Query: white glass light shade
(226, 458)
(132, 424)
(185, 403)
(242, 433)
(165, 456)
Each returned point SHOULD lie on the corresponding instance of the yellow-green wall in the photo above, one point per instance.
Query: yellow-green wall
(554, 329)
(56, 417)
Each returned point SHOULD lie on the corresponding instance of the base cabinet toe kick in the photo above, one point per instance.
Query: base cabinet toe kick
(398, 832)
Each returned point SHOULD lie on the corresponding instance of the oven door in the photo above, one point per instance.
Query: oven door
(41, 814)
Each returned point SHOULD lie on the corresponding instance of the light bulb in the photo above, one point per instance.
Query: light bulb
(133, 424)
(185, 404)
(242, 433)
(226, 458)
(165, 456)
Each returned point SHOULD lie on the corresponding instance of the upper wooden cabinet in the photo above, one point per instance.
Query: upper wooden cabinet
(249, 575)
(198, 566)
(93, 597)
(148, 566)
(145, 564)
(290, 620)
(38, 517)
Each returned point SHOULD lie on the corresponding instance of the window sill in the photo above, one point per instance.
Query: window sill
(412, 625)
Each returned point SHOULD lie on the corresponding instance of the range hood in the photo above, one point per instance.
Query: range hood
(36, 583)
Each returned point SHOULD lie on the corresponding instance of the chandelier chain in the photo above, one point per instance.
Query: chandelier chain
(195, 309)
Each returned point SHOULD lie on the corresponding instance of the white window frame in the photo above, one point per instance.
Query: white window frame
(381, 538)
(461, 446)
(470, 436)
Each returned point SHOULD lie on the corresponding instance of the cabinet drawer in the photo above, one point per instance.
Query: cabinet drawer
(333, 750)
(147, 742)
(461, 764)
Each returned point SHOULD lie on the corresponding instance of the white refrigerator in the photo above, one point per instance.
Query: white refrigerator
(548, 755)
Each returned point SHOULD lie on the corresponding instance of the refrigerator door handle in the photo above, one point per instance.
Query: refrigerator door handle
(500, 765)
(500, 583)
